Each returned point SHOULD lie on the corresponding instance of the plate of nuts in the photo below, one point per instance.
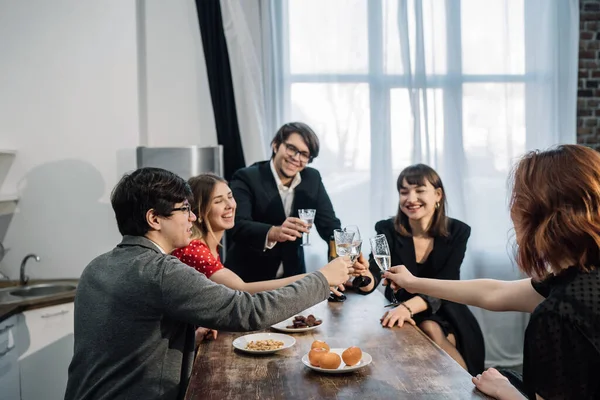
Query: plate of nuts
(263, 343)
(299, 323)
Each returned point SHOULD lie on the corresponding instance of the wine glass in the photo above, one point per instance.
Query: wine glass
(349, 242)
(346, 243)
(356, 242)
(361, 280)
(381, 254)
(307, 215)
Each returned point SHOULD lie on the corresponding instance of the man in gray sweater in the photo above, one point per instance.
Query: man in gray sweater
(136, 306)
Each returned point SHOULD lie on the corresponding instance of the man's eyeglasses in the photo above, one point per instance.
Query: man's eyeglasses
(292, 150)
(187, 208)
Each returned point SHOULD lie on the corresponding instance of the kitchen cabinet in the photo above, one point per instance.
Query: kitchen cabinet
(45, 348)
(8, 202)
(9, 365)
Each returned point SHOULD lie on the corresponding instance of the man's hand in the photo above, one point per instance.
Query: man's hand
(205, 334)
(337, 271)
(291, 229)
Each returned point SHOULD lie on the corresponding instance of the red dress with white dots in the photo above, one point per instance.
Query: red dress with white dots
(198, 256)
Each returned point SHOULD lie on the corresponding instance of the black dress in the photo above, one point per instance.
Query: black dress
(442, 263)
(562, 340)
(433, 303)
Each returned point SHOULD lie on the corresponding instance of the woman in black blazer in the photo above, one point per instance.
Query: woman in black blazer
(430, 245)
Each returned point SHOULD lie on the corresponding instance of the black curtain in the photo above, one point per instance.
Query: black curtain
(221, 84)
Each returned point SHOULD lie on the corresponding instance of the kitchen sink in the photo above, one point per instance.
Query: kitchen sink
(42, 289)
(15, 294)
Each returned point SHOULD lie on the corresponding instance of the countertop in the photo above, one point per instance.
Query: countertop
(7, 310)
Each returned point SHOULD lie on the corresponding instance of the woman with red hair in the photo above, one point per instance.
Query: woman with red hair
(555, 209)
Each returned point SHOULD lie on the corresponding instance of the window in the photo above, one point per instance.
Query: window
(368, 74)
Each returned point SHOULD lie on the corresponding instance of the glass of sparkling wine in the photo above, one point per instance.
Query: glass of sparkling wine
(360, 280)
(307, 215)
(381, 254)
(356, 243)
(347, 243)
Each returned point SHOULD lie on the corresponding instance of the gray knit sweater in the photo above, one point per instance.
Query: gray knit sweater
(135, 313)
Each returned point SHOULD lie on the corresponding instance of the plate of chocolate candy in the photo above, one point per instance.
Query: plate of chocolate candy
(299, 323)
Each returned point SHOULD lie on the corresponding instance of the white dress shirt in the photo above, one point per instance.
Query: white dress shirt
(159, 248)
(287, 199)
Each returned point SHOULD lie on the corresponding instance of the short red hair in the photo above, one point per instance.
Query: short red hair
(555, 206)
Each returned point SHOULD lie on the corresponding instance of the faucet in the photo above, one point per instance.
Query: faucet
(24, 278)
(4, 277)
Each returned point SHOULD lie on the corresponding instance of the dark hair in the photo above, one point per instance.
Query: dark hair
(308, 135)
(555, 206)
(146, 189)
(203, 186)
(418, 174)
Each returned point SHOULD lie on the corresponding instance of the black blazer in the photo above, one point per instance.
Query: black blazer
(448, 254)
(259, 207)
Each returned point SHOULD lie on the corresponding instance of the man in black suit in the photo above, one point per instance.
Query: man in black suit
(265, 241)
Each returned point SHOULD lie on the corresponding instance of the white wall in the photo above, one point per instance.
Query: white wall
(70, 106)
(179, 109)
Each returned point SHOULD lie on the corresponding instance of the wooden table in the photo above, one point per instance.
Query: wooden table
(406, 364)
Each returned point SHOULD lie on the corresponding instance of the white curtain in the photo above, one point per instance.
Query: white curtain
(240, 24)
(466, 86)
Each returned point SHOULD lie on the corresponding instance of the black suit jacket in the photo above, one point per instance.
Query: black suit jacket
(259, 207)
(448, 254)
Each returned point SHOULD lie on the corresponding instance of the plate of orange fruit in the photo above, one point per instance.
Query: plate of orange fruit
(340, 360)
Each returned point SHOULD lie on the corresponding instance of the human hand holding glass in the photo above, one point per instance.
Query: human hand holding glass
(381, 253)
(307, 215)
(399, 277)
(349, 242)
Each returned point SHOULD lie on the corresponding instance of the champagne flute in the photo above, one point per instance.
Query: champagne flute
(307, 215)
(381, 254)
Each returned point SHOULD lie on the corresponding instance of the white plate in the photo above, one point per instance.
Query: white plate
(343, 368)
(283, 326)
(241, 342)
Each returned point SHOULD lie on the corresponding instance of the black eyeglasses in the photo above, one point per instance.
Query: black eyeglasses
(187, 208)
(292, 150)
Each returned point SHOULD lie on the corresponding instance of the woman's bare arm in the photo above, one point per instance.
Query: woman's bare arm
(489, 294)
(230, 279)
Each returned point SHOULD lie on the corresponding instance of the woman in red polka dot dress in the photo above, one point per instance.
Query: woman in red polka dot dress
(215, 206)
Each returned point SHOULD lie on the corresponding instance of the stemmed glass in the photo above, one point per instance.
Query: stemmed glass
(307, 215)
(381, 254)
(356, 242)
(349, 242)
(346, 244)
